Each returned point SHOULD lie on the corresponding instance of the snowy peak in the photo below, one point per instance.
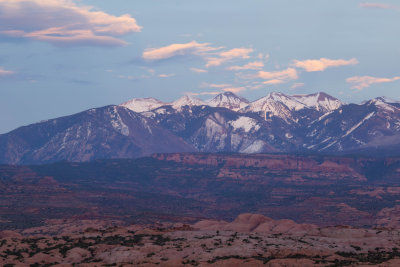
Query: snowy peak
(319, 101)
(228, 100)
(187, 100)
(384, 103)
(142, 104)
(288, 101)
(275, 104)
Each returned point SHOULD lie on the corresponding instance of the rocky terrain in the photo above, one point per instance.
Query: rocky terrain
(188, 187)
(250, 240)
(276, 123)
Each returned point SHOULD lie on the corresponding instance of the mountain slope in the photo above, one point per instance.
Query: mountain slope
(213, 129)
(275, 123)
(107, 132)
(373, 124)
(142, 104)
(228, 100)
(319, 101)
(187, 100)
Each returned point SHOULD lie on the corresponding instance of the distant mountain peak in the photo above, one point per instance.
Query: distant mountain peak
(228, 100)
(187, 100)
(142, 104)
(386, 100)
(320, 101)
(384, 103)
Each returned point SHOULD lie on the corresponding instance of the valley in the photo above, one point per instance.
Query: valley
(186, 187)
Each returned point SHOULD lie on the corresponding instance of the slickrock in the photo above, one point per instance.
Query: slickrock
(250, 240)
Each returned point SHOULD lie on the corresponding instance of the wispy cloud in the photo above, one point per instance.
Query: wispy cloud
(361, 82)
(198, 70)
(4, 72)
(166, 75)
(173, 50)
(311, 65)
(203, 93)
(255, 65)
(63, 22)
(234, 89)
(214, 85)
(296, 85)
(274, 81)
(378, 5)
(225, 56)
(224, 87)
(214, 56)
(277, 77)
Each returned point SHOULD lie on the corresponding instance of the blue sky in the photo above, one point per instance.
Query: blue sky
(59, 57)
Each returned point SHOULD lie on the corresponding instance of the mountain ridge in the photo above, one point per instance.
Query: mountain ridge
(314, 123)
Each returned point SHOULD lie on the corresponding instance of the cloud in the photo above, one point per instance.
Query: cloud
(321, 64)
(262, 56)
(225, 56)
(166, 75)
(214, 85)
(234, 89)
(361, 82)
(203, 93)
(256, 65)
(378, 5)
(4, 72)
(198, 70)
(212, 55)
(274, 81)
(297, 85)
(63, 22)
(277, 77)
(173, 50)
(223, 87)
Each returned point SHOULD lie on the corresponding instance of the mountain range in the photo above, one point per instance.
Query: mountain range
(276, 123)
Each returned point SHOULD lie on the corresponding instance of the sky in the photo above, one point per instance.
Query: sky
(59, 57)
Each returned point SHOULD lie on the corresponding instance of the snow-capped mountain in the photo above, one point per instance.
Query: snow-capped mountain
(275, 123)
(187, 100)
(319, 101)
(228, 100)
(142, 104)
(106, 132)
(275, 105)
(372, 124)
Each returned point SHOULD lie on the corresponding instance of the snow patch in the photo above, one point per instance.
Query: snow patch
(245, 123)
(359, 124)
(187, 101)
(118, 124)
(256, 147)
(142, 104)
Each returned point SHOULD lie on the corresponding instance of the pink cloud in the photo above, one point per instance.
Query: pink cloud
(203, 93)
(63, 22)
(256, 65)
(378, 5)
(212, 55)
(234, 89)
(361, 82)
(4, 72)
(297, 85)
(198, 70)
(277, 77)
(214, 85)
(166, 75)
(274, 81)
(321, 64)
(191, 48)
(225, 56)
(224, 87)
